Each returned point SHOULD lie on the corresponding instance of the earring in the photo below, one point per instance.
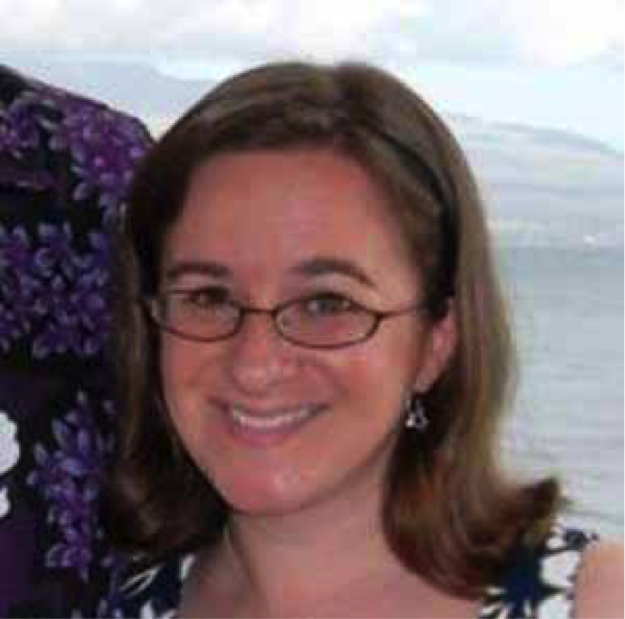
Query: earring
(415, 413)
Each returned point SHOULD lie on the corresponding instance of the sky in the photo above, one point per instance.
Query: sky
(556, 64)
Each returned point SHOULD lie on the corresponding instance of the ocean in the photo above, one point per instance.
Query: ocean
(567, 420)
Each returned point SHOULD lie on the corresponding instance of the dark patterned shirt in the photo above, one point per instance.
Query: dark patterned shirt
(539, 583)
(65, 163)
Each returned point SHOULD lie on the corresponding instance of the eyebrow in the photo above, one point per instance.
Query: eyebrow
(191, 267)
(316, 266)
(319, 266)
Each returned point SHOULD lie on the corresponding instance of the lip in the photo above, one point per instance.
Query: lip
(267, 435)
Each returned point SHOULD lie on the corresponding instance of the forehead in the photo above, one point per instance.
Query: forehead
(267, 210)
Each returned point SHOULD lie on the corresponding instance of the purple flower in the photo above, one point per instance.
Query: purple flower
(10, 328)
(20, 139)
(14, 249)
(68, 477)
(52, 292)
(55, 250)
(104, 146)
(19, 131)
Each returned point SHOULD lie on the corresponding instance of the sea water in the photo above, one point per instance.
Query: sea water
(567, 420)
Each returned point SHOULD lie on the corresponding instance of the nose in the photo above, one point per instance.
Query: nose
(259, 358)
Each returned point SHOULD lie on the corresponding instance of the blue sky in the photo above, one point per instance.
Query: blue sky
(546, 63)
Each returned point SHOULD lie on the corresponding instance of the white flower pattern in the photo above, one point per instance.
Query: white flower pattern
(9, 456)
(539, 583)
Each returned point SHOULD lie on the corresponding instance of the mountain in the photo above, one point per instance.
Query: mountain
(543, 186)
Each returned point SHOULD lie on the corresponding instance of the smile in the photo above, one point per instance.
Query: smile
(268, 428)
(270, 422)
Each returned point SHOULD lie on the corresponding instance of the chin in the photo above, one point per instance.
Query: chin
(263, 504)
(264, 497)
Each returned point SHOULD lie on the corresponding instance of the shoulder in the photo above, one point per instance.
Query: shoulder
(45, 127)
(539, 580)
(599, 590)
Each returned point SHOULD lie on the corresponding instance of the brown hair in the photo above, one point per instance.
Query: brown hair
(449, 512)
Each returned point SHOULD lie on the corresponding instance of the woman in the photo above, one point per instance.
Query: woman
(314, 361)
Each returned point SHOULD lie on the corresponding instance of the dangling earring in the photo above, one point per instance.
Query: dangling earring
(415, 413)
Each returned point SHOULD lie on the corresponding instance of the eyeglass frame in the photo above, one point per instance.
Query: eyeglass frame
(244, 310)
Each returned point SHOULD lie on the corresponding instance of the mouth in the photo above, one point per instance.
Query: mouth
(268, 427)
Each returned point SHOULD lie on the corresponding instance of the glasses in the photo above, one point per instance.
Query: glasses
(317, 321)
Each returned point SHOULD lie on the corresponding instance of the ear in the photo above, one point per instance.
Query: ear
(440, 344)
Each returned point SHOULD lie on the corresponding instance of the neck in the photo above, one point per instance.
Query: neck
(296, 560)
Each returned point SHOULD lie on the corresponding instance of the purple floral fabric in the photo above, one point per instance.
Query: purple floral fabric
(65, 164)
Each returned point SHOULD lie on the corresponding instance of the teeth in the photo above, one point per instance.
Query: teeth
(269, 423)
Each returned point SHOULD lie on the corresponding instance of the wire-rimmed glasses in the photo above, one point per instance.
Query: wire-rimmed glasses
(326, 320)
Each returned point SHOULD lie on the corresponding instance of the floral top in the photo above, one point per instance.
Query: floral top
(65, 163)
(539, 583)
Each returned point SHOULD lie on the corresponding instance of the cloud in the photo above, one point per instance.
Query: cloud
(532, 32)
(561, 32)
(539, 33)
(324, 28)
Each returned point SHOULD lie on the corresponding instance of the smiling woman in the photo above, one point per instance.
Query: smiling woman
(314, 360)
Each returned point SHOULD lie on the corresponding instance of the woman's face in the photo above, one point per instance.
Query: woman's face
(276, 427)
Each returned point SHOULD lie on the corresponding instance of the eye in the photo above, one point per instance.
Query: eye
(207, 298)
(328, 304)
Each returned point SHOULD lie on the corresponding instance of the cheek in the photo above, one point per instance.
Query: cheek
(374, 381)
(186, 379)
(388, 363)
(175, 366)
(183, 369)
(175, 369)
